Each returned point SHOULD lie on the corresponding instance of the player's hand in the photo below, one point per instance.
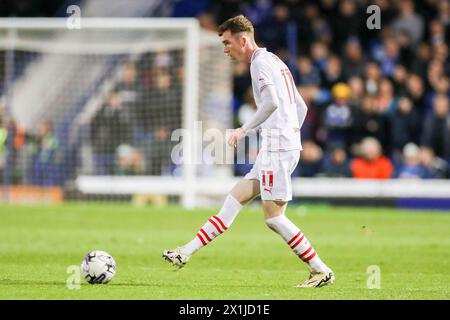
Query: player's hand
(235, 136)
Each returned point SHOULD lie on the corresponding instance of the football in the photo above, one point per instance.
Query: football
(98, 267)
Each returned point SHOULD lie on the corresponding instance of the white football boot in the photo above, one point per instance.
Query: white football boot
(176, 257)
(318, 279)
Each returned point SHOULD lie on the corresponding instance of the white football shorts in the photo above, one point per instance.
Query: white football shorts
(273, 170)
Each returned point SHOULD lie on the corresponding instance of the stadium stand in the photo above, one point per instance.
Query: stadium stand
(378, 99)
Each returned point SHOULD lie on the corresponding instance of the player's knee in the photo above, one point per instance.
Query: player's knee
(273, 208)
(272, 222)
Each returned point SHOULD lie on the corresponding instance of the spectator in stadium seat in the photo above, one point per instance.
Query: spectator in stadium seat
(404, 124)
(436, 130)
(336, 163)
(440, 51)
(356, 85)
(337, 119)
(443, 14)
(347, 22)
(440, 86)
(159, 111)
(399, 77)
(130, 161)
(271, 28)
(45, 164)
(224, 9)
(248, 108)
(310, 164)
(319, 54)
(354, 60)
(307, 73)
(207, 21)
(415, 89)
(411, 167)
(367, 122)
(435, 167)
(422, 57)
(333, 72)
(435, 71)
(311, 124)
(408, 21)
(371, 164)
(241, 81)
(17, 139)
(322, 31)
(164, 116)
(385, 100)
(407, 52)
(305, 17)
(257, 11)
(109, 129)
(389, 57)
(372, 77)
(129, 90)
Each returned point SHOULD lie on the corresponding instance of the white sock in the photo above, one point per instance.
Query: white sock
(215, 226)
(297, 241)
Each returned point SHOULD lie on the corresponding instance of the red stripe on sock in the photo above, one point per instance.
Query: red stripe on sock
(310, 257)
(205, 234)
(215, 225)
(201, 239)
(220, 222)
(305, 253)
(295, 237)
(296, 244)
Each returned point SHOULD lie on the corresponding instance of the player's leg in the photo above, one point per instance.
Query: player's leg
(276, 191)
(243, 192)
(275, 218)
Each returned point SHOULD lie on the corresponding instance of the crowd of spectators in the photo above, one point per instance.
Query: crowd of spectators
(29, 158)
(131, 132)
(378, 98)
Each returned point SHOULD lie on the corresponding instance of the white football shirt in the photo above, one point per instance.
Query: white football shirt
(281, 131)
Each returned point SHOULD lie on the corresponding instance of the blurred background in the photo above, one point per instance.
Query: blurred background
(103, 103)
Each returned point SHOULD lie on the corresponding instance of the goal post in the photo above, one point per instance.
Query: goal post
(64, 76)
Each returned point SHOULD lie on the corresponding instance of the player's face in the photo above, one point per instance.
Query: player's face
(233, 45)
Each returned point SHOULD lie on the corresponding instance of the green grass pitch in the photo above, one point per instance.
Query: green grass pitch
(249, 261)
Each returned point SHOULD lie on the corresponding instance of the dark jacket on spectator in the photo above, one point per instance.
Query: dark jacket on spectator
(436, 134)
(109, 129)
(404, 128)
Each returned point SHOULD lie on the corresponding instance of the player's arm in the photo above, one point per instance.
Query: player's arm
(302, 109)
(270, 103)
(269, 98)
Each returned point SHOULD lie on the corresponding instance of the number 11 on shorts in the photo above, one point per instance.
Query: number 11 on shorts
(267, 180)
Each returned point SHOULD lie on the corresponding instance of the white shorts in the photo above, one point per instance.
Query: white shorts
(273, 170)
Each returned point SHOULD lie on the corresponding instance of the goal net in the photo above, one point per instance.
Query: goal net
(112, 110)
